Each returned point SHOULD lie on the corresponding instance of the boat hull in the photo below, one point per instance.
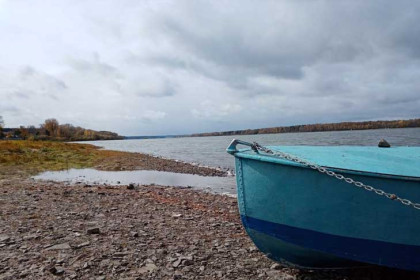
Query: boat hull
(297, 215)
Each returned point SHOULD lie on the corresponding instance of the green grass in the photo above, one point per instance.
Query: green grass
(31, 157)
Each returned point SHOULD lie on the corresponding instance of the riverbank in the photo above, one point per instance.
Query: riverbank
(24, 158)
(52, 230)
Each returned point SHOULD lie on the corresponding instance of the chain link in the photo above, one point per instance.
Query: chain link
(257, 147)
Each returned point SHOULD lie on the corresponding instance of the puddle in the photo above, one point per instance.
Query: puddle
(225, 185)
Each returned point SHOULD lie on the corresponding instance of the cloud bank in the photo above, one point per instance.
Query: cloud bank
(174, 67)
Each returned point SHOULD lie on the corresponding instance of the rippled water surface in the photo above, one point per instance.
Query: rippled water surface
(211, 151)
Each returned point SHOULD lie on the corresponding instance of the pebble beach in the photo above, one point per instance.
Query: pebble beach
(52, 230)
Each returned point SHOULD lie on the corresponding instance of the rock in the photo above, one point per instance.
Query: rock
(252, 249)
(130, 187)
(176, 215)
(4, 238)
(56, 270)
(120, 254)
(177, 275)
(61, 258)
(29, 237)
(23, 274)
(183, 260)
(275, 266)
(84, 244)
(187, 262)
(63, 246)
(177, 263)
(290, 277)
(149, 267)
(94, 230)
(383, 144)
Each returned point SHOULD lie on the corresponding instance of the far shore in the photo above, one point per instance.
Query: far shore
(51, 230)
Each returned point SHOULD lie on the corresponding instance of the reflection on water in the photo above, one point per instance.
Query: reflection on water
(143, 177)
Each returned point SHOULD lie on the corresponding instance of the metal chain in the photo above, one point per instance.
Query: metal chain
(257, 147)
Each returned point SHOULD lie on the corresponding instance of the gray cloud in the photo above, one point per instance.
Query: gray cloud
(97, 67)
(20, 94)
(216, 65)
(8, 109)
(239, 48)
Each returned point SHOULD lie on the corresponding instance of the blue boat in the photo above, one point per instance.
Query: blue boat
(331, 206)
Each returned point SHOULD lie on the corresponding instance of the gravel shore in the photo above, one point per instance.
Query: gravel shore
(54, 230)
(138, 161)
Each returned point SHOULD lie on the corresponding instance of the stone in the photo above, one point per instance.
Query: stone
(176, 215)
(120, 254)
(275, 266)
(4, 238)
(94, 230)
(29, 237)
(177, 263)
(252, 249)
(130, 187)
(84, 244)
(63, 246)
(187, 262)
(149, 267)
(383, 144)
(177, 275)
(56, 270)
(23, 274)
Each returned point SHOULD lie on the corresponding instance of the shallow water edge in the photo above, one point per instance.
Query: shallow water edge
(221, 185)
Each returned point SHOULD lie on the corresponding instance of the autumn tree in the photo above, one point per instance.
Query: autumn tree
(51, 127)
(32, 130)
(24, 133)
(66, 131)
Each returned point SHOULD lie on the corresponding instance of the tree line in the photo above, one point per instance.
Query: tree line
(52, 130)
(320, 127)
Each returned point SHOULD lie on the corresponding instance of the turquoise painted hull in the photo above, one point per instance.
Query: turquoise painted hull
(300, 216)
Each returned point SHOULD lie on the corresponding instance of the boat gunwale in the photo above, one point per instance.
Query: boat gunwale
(272, 159)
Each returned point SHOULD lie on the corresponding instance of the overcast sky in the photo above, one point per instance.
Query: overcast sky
(172, 67)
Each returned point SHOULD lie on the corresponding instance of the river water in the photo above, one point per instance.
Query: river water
(211, 151)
